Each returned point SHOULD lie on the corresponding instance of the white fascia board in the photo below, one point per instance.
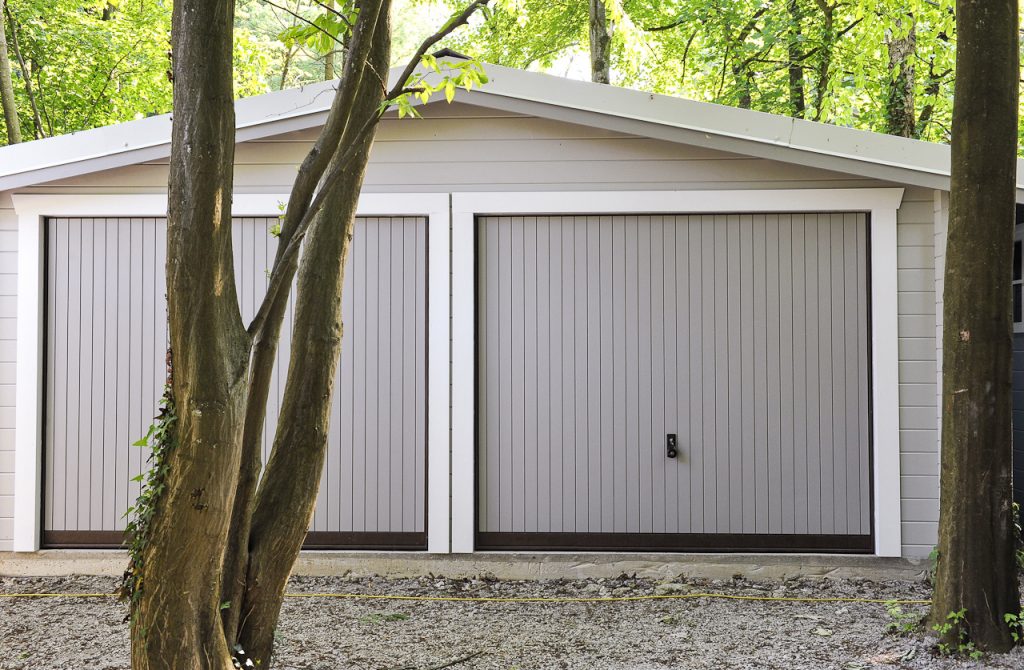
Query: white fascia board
(740, 131)
(146, 139)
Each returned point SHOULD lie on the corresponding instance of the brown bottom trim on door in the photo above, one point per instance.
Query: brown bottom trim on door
(346, 540)
(112, 539)
(681, 542)
(82, 539)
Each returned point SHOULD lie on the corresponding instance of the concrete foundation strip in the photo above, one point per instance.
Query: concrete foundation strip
(527, 599)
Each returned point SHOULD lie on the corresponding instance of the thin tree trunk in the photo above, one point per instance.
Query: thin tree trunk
(329, 66)
(825, 61)
(976, 570)
(329, 58)
(292, 474)
(177, 622)
(600, 43)
(267, 325)
(797, 100)
(284, 69)
(26, 76)
(6, 87)
(899, 102)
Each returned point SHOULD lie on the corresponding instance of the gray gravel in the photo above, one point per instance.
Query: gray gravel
(388, 635)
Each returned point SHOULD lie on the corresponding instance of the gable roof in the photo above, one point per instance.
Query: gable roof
(739, 131)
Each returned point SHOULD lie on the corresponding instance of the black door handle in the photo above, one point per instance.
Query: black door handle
(670, 445)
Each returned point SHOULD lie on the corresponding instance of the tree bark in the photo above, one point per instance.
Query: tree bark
(600, 43)
(266, 327)
(976, 570)
(797, 99)
(329, 57)
(899, 102)
(25, 75)
(6, 87)
(825, 56)
(177, 623)
(292, 474)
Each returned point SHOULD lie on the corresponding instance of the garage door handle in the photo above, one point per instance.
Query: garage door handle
(670, 445)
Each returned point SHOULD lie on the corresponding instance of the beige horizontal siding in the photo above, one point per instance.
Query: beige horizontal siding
(466, 148)
(917, 373)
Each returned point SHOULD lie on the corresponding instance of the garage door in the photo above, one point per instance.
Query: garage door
(738, 342)
(105, 349)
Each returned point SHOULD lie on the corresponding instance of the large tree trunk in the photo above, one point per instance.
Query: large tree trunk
(177, 623)
(6, 87)
(899, 101)
(976, 570)
(600, 43)
(240, 541)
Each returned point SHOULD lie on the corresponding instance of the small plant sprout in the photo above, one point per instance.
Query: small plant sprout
(903, 623)
(1016, 624)
(956, 621)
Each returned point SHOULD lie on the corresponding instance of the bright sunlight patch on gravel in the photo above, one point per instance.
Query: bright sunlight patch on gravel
(45, 633)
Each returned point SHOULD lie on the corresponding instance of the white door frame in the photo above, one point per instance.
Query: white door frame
(32, 211)
(880, 203)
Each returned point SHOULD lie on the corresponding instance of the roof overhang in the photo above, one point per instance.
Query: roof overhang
(671, 119)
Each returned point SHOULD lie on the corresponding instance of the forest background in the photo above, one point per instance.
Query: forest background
(880, 65)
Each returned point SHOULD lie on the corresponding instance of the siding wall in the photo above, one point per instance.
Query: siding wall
(460, 147)
(919, 458)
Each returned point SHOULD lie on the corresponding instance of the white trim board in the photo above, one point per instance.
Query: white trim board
(32, 210)
(673, 119)
(880, 203)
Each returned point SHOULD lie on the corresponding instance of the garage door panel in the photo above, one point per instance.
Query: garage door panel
(746, 335)
(106, 344)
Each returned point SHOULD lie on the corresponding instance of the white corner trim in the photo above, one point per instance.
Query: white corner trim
(463, 371)
(28, 411)
(880, 203)
(33, 209)
(885, 389)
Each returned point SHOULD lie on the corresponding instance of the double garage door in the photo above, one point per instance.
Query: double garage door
(673, 382)
(105, 352)
(643, 382)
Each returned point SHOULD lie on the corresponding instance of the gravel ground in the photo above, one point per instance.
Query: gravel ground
(415, 635)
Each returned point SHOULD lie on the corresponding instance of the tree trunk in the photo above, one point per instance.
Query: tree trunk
(828, 41)
(976, 570)
(899, 102)
(25, 74)
(329, 58)
(6, 87)
(241, 541)
(797, 100)
(600, 43)
(292, 474)
(177, 623)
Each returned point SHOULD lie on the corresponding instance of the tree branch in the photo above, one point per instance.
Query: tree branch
(291, 240)
(334, 11)
(460, 20)
(306, 21)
